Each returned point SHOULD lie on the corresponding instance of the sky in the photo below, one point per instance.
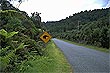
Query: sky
(54, 10)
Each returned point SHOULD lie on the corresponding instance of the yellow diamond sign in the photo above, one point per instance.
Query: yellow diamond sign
(45, 37)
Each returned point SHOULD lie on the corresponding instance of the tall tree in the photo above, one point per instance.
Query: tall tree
(5, 4)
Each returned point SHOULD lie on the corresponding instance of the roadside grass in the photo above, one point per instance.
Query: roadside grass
(88, 46)
(53, 62)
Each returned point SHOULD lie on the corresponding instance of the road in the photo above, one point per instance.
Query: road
(84, 60)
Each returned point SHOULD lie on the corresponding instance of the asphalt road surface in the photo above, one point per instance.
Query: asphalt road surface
(84, 60)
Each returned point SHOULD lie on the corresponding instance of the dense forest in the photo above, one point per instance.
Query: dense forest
(88, 27)
(19, 34)
(19, 38)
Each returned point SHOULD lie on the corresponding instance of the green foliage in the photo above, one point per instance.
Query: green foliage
(21, 46)
(88, 27)
(7, 35)
(3, 63)
(3, 32)
(17, 48)
(4, 50)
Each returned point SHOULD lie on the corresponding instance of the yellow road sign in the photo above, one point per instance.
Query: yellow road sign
(45, 37)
